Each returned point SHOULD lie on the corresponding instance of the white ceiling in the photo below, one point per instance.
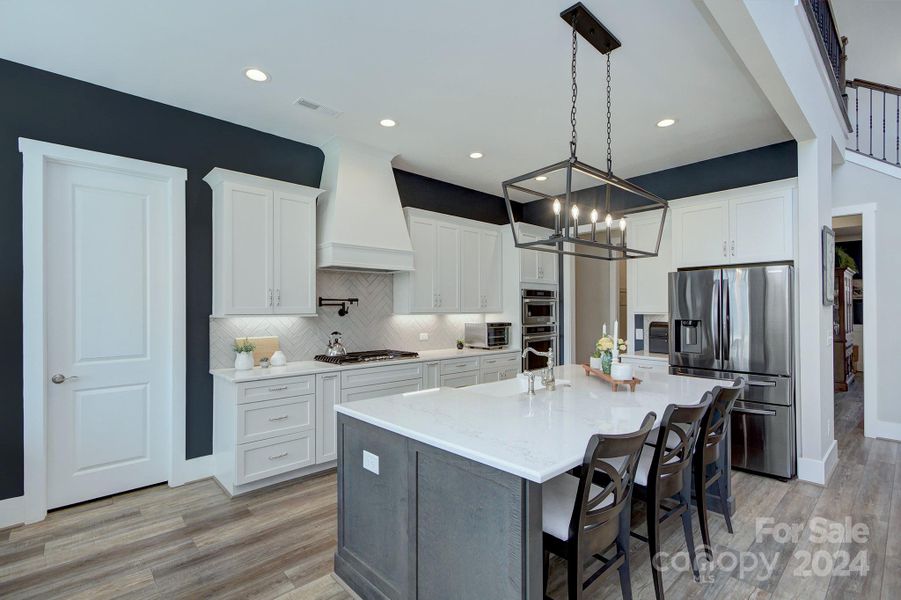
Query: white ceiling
(458, 77)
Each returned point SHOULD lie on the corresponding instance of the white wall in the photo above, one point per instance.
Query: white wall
(854, 184)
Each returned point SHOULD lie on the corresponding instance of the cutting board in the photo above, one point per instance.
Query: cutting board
(265, 347)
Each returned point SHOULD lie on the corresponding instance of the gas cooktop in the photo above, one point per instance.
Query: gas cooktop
(367, 356)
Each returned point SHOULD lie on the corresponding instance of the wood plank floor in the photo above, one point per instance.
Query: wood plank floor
(195, 542)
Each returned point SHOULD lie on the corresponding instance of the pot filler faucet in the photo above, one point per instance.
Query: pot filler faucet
(547, 373)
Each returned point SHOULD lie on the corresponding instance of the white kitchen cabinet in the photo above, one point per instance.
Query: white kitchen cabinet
(264, 245)
(431, 375)
(536, 266)
(457, 267)
(499, 367)
(645, 365)
(745, 225)
(458, 380)
(380, 389)
(328, 394)
(648, 277)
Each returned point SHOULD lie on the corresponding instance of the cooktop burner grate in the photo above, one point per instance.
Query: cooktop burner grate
(367, 356)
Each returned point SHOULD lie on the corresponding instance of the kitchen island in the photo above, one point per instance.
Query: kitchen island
(439, 491)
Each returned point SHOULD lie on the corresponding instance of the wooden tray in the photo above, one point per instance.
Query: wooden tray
(614, 383)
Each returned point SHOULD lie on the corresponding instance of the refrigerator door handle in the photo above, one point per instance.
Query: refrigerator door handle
(761, 383)
(754, 411)
(718, 324)
(727, 338)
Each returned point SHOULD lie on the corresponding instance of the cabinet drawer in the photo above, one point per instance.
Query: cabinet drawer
(271, 418)
(259, 460)
(459, 365)
(458, 380)
(376, 375)
(646, 366)
(277, 388)
(500, 361)
(382, 389)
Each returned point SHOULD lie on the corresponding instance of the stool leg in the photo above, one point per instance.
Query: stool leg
(700, 480)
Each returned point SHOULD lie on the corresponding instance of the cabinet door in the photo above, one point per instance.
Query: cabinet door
(547, 267)
(458, 380)
(381, 389)
(295, 254)
(528, 261)
(471, 265)
(701, 234)
(648, 277)
(761, 227)
(490, 268)
(424, 292)
(328, 394)
(447, 271)
(249, 285)
(431, 375)
(490, 375)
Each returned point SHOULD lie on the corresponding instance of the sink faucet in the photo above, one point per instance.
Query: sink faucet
(547, 373)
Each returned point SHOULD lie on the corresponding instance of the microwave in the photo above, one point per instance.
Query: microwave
(486, 335)
(539, 307)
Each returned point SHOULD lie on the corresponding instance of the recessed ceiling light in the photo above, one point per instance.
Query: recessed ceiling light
(666, 122)
(255, 74)
(475, 155)
(541, 178)
(387, 122)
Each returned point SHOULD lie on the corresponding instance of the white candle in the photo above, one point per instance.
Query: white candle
(604, 332)
(615, 340)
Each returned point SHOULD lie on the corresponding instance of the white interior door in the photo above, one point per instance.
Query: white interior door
(108, 324)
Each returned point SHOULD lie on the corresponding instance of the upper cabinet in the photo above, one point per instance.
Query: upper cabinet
(536, 266)
(746, 225)
(264, 245)
(457, 267)
(648, 278)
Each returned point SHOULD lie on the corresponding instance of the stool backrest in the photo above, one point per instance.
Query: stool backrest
(671, 460)
(610, 462)
(717, 420)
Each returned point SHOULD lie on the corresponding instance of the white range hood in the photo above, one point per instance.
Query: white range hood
(359, 219)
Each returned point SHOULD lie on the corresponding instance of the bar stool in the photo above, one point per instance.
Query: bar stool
(582, 519)
(709, 466)
(663, 479)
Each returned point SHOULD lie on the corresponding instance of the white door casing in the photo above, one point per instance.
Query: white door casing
(109, 310)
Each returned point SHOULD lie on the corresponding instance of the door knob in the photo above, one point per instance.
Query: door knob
(60, 378)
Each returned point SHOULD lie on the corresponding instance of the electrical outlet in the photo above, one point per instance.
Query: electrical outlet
(371, 462)
(639, 335)
(423, 337)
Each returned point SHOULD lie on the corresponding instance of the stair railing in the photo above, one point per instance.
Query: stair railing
(877, 120)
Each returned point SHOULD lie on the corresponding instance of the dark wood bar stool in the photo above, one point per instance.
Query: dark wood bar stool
(586, 516)
(663, 478)
(710, 467)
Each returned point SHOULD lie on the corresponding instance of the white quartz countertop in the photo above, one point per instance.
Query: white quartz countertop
(537, 437)
(311, 367)
(645, 355)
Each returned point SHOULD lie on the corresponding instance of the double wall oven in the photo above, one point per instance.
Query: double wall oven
(539, 325)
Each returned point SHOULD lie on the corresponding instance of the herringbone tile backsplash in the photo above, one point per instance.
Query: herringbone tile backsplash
(371, 325)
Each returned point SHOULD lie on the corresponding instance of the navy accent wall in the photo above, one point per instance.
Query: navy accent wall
(418, 191)
(769, 163)
(51, 108)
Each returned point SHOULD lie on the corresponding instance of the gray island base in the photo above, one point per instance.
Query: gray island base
(439, 491)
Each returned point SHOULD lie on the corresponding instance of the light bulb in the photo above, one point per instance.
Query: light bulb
(608, 220)
(594, 216)
(575, 211)
(556, 206)
(622, 224)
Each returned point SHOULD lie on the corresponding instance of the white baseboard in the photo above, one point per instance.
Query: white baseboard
(819, 471)
(194, 469)
(883, 429)
(12, 512)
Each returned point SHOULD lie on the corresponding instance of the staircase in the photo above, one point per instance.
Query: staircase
(875, 113)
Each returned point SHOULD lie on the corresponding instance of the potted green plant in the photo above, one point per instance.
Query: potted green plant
(243, 354)
(460, 344)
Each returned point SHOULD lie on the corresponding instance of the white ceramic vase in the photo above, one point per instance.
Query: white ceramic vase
(243, 361)
(278, 359)
(595, 363)
(621, 372)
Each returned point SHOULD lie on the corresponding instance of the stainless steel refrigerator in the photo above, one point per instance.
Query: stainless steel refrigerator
(726, 322)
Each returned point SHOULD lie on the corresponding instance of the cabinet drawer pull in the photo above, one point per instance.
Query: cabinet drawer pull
(278, 388)
(278, 456)
(279, 418)
(643, 367)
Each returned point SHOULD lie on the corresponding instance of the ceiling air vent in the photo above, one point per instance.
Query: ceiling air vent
(319, 108)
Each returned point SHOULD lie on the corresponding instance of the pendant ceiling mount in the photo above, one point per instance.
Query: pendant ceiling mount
(571, 188)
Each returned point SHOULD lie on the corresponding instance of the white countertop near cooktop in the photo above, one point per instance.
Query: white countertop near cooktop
(311, 367)
(535, 437)
(645, 355)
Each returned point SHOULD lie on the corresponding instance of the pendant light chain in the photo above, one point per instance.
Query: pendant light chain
(575, 88)
(609, 143)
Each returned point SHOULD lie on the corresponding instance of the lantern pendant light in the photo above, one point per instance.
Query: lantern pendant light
(568, 188)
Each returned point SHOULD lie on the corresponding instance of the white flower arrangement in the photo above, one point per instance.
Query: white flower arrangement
(606, 344)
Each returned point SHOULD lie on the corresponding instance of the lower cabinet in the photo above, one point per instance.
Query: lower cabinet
(328, 394)
(267, 458)
(380, 389)
(458, 380)
(500, 367)
(640, 365)
(431, 375)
